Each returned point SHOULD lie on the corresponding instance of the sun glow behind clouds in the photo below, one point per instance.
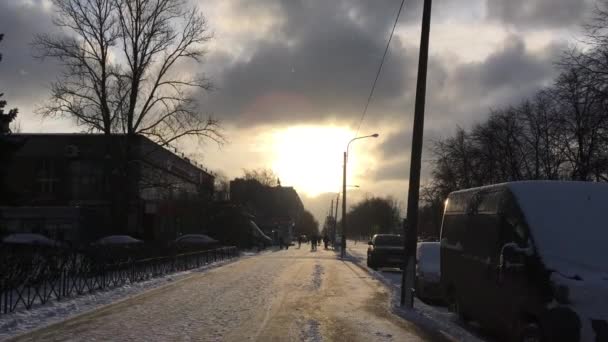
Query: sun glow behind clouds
(309, 158)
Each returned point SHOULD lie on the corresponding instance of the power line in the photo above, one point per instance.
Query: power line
(371, 93)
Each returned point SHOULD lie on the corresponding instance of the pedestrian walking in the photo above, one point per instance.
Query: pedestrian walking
(299, 241)
(325, 240)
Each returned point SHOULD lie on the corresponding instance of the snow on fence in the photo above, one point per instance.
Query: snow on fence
(44, 280)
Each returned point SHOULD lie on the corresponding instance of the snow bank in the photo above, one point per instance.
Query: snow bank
(117, 240)
(196, 239)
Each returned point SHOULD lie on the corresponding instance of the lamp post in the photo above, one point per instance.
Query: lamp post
(344, 191)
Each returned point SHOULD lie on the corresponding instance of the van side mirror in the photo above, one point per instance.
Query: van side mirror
(512, 256)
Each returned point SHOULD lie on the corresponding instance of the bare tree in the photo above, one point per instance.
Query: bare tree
(581, 121)
(221, 186)
(266, 177)
(121, 61)
(6, 118)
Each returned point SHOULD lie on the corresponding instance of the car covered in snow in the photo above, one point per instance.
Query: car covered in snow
(385, 250)
(529, 259)
(428, 272)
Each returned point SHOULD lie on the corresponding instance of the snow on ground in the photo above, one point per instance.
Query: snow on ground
(55, 311)
(435, 318)
(294, 295)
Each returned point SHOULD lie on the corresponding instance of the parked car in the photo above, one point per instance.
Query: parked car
(428, 272)
(385, 250)
(528, 259)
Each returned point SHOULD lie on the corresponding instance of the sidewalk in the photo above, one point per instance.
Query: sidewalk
(434, 318)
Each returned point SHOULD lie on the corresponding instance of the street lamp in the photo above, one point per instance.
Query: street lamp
(336, 215)
(344, 191)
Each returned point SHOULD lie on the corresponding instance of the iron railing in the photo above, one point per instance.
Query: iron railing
(42, 279)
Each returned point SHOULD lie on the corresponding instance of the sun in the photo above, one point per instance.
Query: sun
(309, 158)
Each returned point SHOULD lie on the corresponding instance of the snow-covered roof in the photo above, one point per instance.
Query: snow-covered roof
(29, 239)
(258, 232)
(196, 239)
(567, 221)
(117, 240)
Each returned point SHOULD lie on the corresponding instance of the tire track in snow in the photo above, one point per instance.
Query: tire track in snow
(311, 331)
(317, 277)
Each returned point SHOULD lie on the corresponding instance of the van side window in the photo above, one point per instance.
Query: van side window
(489, 202)
(456, 204)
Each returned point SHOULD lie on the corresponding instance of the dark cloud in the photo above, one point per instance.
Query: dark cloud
(505, 77)
(22, 77)
(397, 169)
(539, 13)
(460, 95)
(318, 65)
(323, 67)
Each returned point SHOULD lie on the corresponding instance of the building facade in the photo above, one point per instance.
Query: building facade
(275, 209)
(86, 179)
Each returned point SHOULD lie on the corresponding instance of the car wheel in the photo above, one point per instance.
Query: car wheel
(531, 333)
(371, 263)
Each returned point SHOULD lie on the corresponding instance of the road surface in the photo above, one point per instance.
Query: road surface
(294, 295)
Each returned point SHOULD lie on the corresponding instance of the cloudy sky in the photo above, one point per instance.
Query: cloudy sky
(293, 76)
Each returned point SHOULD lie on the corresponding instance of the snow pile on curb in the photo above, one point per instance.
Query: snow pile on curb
(431, 318)
(56, 311)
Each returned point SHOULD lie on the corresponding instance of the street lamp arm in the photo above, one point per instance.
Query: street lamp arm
(357, 138)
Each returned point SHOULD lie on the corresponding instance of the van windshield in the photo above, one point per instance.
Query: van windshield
(567, 221)
(388, 240)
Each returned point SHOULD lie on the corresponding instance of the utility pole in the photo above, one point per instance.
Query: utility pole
(336, 220)
(343, 241)
(410, 229)
(331, 208)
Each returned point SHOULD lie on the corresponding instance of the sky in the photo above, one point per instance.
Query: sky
(292, 78)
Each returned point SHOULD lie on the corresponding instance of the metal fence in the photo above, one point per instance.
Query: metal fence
(43, 279)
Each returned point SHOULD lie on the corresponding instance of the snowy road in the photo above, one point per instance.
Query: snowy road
(294, 295)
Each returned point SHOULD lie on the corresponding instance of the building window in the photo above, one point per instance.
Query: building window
(46, 177)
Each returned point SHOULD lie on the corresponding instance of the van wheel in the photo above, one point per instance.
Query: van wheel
(531, 333)
(456, 307)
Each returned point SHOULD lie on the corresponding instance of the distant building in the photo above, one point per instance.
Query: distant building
(63, 186)
(275, 209)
